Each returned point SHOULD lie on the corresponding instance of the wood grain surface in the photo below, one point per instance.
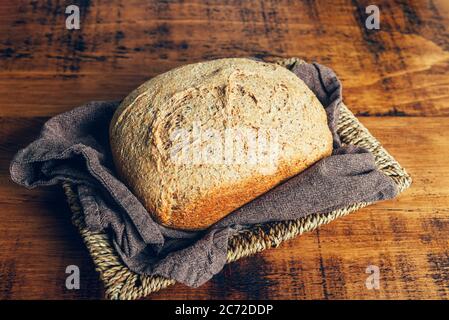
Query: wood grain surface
(395, 79)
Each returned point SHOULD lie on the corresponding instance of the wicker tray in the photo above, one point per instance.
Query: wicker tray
(122, 283)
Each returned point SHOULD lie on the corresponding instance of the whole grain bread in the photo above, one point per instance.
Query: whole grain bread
(201, 140)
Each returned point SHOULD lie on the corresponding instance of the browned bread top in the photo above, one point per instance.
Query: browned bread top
(199, 141)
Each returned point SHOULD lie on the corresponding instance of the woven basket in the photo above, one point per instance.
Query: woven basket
(122, 283)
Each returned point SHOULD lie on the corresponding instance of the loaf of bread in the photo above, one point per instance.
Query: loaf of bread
(199, 141)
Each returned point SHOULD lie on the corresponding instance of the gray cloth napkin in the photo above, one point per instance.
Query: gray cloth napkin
(74, 147)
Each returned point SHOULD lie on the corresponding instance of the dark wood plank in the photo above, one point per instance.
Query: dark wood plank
(401, 69)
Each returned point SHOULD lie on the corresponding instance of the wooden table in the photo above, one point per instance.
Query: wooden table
(395, 79)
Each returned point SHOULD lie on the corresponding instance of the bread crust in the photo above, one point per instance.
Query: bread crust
(215, 98)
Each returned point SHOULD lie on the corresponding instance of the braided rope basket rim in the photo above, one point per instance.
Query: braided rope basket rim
(122, 283)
